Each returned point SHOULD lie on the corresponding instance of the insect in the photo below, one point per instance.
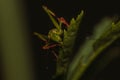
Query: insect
(54, 37)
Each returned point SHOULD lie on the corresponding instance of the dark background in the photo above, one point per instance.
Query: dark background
(39, 21)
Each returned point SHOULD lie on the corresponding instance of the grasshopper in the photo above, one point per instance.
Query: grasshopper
(55, 34)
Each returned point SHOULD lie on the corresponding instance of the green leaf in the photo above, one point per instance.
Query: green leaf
(71, 33)
(104, 35)
(68, 43)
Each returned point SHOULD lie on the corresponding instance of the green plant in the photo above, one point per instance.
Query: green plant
(103, 36)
